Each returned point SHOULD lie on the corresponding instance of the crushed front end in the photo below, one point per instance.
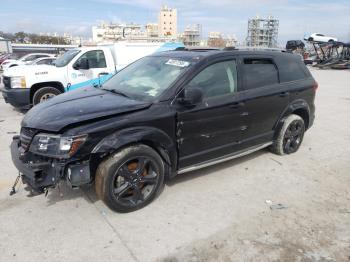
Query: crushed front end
(44, 159)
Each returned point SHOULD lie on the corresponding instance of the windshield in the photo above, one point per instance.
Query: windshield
(147, 78)
(25, 57)
(66, 58)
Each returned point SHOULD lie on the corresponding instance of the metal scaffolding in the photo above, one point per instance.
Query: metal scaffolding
(262, 32)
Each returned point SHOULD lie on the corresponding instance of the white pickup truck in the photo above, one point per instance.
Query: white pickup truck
(80, 67)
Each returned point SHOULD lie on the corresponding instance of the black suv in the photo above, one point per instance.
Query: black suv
(294, 44)
(164, 115)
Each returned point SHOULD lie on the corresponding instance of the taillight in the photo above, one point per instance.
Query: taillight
(315, 86)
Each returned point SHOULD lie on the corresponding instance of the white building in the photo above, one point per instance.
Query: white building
(152, 30)
(167, 24)
(5, 45)
(215, 35)
(116, 31)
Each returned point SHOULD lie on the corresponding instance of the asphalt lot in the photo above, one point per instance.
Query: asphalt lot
(220, 213)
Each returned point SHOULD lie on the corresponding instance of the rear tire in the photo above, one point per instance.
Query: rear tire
(44, 94)
(130, 179)
(290, 136)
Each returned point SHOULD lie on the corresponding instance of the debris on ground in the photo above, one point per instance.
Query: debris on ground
(278, 162)
(278, 206)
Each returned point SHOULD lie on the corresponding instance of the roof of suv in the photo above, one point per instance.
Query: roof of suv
(204, 53)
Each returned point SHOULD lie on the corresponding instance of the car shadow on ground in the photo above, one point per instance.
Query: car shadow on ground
(65, 193)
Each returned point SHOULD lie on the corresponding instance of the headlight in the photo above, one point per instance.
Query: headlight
(18, 82)
(56, 145)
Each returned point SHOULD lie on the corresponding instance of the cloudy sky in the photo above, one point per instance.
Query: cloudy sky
(227, 16)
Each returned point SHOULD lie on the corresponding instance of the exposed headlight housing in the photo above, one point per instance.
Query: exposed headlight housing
(18, 82)
(56, 145)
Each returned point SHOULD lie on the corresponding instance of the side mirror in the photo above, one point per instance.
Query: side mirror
(191, 96)
(100, 75)
(82, 63)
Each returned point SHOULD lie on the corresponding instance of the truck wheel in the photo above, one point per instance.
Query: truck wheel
(44, 94)
(310, 39)
(130, 179)
(290, 136)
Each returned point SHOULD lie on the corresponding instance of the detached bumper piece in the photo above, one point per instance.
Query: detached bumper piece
(41, 173)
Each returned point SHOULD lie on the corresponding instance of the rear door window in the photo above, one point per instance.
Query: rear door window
(259, 72)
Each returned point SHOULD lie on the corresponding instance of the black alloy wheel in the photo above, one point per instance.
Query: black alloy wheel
(131, 178)
(135, 181)
(290, 136)
(293, 136)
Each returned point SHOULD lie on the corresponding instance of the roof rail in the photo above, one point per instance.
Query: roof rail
(229, 48)
(262, 48)
(196, 48)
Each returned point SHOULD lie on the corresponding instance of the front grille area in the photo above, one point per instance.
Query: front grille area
(26, 137)
(7, 82)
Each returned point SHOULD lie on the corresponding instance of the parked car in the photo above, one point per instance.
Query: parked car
(294, 44)
(43, 61)
(24, 60)
(6, 56)
(81, 67)
(166, 114)
(316, 37)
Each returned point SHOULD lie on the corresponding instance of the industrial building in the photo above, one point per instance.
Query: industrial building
(192, 35)
(262, 32)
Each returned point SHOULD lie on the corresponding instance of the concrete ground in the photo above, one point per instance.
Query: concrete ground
(221, 213)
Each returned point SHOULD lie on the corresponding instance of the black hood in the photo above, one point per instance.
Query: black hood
(77, 106)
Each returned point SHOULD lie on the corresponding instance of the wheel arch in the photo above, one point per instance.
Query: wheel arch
(37, 86)
(298, 107)
(152, 137)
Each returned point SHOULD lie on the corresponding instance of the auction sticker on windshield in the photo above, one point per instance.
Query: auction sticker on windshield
(178, 63)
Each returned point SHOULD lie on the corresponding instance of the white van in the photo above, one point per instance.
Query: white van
(80, 67)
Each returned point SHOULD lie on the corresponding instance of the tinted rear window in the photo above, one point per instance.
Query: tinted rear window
(259, 72)
(291, 68)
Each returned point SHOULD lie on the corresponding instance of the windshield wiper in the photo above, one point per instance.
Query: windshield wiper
(116, 92)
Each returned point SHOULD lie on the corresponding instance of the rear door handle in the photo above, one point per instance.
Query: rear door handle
(237, 105)
(284, 94)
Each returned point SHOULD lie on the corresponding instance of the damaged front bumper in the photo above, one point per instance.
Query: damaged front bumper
(41, 173)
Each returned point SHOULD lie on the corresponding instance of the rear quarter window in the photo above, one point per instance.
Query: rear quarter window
(259, 72)
(291, 68)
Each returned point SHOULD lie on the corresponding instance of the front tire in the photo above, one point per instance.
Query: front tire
(45, 93)
(130, 179)
(290, 136)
